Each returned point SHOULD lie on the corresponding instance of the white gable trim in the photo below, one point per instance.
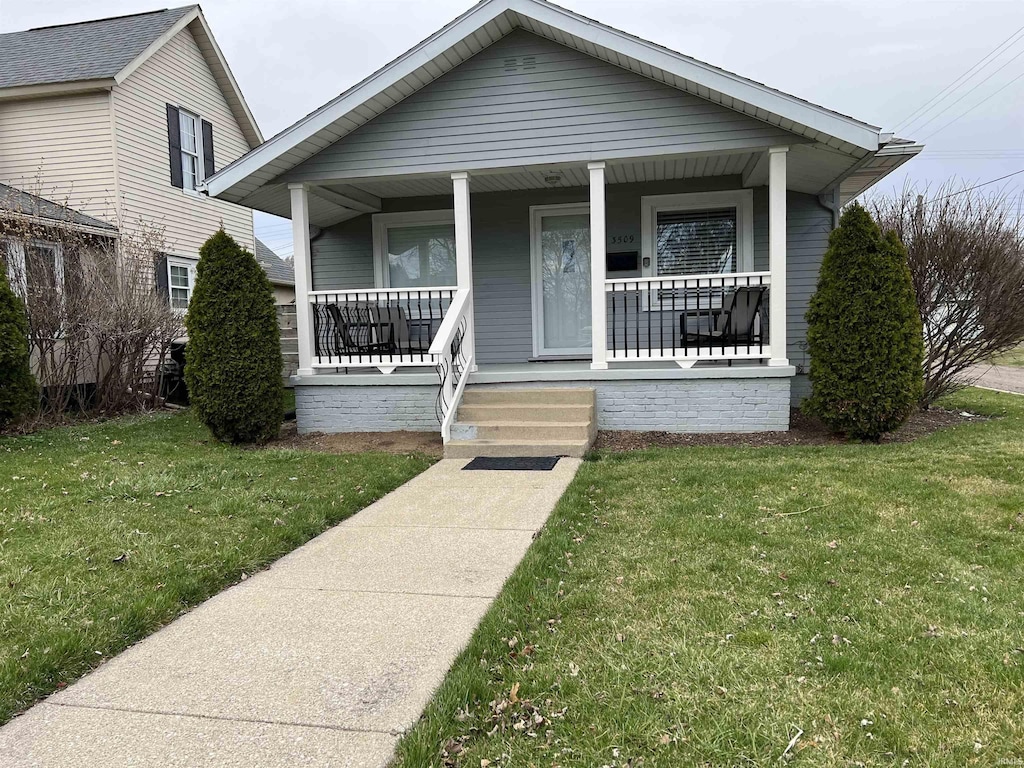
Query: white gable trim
(214, 60)
(421, 65)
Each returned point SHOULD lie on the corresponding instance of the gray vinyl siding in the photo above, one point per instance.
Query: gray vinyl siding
(343, 254)
(526, 99)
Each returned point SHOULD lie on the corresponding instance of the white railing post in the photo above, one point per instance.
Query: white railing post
(464, 253)
(303, 276)
(777, 255)
(598, 303)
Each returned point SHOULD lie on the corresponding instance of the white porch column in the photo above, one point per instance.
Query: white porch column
(302, 264)
(598, 303)
(777, 255)
(464, 253)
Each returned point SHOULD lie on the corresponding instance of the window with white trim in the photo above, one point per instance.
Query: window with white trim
(191, 150)
(181, 275)
(414, 249)
(35, 269)
(697, 234)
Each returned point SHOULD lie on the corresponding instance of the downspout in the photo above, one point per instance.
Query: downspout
(830, 200)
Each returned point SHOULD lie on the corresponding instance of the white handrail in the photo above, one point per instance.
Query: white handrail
(450, 324)
(727, 278)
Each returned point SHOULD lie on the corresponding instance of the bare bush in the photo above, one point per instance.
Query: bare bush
(98, 330)
(965, 250)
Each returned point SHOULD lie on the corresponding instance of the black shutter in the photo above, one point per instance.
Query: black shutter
(174, 146)
(160, 277)
(208, 169)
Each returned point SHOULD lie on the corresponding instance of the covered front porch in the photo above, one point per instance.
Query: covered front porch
(645, 269)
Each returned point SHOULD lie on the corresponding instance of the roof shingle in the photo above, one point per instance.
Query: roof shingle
(15, 200)
(278, 270)
(88, 50)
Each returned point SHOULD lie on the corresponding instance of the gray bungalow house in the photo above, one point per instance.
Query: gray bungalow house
(532, 226)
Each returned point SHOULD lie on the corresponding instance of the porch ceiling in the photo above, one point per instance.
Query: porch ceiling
(811, 168)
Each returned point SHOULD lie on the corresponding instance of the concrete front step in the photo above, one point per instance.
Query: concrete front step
(533, 396)
(523, 430)
(492, 413)
(494, 421)
(469, 449)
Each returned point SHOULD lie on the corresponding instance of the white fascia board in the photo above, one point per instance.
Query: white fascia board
(760, 96)
(380, 80)
(156, 45)
(246, 120)
(56, 89)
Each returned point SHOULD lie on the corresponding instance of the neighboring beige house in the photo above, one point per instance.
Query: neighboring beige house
(279, 271)
(122, 119)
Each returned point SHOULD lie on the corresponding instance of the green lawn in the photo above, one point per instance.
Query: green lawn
(108, 531)
(1014, 357)
(703, 606)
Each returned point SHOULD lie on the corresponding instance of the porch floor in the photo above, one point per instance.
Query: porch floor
(557, 370)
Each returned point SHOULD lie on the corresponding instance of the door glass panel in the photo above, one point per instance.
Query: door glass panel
(565, 279)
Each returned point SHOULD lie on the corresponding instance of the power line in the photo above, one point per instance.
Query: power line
(994, 52)
(971, 109)
(968, 93)
(976, 186)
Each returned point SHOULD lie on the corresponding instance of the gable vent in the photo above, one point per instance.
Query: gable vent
(520, 63)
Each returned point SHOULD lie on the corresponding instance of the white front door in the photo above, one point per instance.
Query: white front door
(560, 253)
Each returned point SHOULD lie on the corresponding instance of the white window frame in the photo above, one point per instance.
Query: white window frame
(740, 199)
(382, 222)
(16, 257)
(197, 124)
(190, 265)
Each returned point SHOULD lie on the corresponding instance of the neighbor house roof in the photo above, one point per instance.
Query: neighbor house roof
(101, 53)
(88, 50)
(21, 203)
(278, 270)
(490, 20)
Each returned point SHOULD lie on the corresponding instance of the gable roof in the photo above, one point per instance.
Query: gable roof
(490, 20)
(278, 270)
(21, 203)
(101, 53)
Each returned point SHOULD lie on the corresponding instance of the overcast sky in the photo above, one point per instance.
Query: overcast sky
(876, 61)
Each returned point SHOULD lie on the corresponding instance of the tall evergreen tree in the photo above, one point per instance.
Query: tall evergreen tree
(864, 332)
(19, 392)
(233, 354)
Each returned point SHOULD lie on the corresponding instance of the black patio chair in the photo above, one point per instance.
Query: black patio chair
(357, 332)
(737, 324)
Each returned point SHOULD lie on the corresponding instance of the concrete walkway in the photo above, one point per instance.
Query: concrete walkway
(322, 660)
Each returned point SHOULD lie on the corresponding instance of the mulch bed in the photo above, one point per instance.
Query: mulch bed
(428, 443)
(802, 431)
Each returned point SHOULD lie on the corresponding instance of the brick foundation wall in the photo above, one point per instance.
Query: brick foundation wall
(686, 405)
(668, 405)
(332, 408)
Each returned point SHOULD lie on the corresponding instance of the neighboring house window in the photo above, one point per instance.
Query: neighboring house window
(34, 268)
(190, 143)
(181, 280)
(697, 234)
(414, 249)
(191, 150)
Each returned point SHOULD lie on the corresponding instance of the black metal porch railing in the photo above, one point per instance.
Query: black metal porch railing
(688, 317)
(377, 327)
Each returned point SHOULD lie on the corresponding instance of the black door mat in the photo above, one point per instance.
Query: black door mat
(514, 463)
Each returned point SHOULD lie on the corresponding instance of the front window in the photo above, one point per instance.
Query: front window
(35, 269)
(698, 234)
(191, 150)
(696, 242)
(415, 250)
(180, 281)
